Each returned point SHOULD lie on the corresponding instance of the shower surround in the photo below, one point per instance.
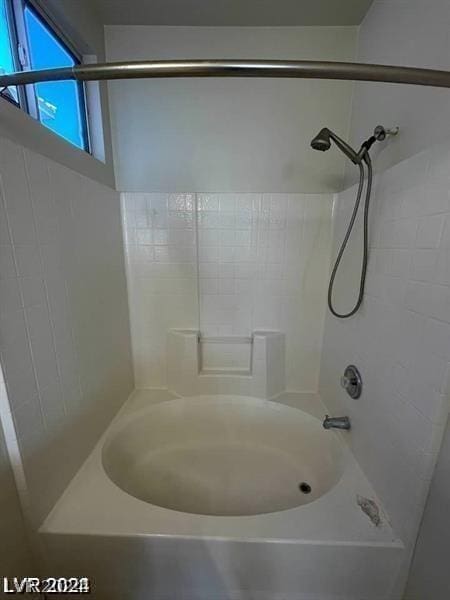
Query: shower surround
(400, 339)
(202, 262)
(227, 265)
(66, 358)
(227, 295)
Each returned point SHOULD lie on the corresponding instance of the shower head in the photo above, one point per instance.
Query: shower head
(322, 142)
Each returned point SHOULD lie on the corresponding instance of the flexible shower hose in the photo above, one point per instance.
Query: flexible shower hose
(362, 281)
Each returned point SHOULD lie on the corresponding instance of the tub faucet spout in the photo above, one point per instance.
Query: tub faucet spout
(336, 422)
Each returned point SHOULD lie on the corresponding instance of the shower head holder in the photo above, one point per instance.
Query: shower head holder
(381, 133)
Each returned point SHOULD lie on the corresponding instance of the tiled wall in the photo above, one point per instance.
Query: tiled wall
(429, 571)
(400, 339)
(227, 264)
(64, 340)
(160, 246)
(15, 558)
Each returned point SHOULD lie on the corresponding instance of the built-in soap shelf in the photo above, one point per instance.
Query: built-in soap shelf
(225, 355)
(250, 365)
(228, 339)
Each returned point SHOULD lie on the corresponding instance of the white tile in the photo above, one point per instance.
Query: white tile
(28, 419)
(436, 198)
(7, 265)
(445, 238)
(429, 232)
(398, 234)
(38, 322)
(424, 265)
(41, 196)
(12, 328)
(161, 253)
(442, 266)
(45, 365)
(4, 227)
(16, 354)
(28, 260)
(52, 260)
(156, 202)
(419, 297)
(436, 338)
(176, 202)
(52, 405)
(394, 290)
(427, 400)
(209, 285)
(440, 303)
(207, 202)
(16, 194)
(21, 386)
(226, 286)
(141, 219)
(10, 299)
(57, 293)
(144, 237)
(33, 291)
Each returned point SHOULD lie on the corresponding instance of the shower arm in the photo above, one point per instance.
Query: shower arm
(354, 156)
(233, 68)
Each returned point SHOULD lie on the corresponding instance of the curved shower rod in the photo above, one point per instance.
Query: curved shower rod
(302, 69)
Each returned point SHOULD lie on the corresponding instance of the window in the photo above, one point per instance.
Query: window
(59, 105)
(7, 62)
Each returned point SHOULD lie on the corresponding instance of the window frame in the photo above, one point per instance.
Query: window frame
(14, 41)
(22, 61)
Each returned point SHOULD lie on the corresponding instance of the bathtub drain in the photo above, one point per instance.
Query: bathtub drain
(304, 487)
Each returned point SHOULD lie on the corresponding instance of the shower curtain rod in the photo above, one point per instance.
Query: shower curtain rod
(302, 69)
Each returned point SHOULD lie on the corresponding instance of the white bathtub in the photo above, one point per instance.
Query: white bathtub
(220, 497)
(226, 456)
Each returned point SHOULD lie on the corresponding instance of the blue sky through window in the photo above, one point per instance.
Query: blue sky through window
(59, 103)
(6, 56)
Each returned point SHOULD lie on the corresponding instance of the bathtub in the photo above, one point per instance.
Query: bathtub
(226, 456)
(222, 497)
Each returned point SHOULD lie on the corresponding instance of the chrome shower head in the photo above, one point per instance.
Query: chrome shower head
(322, 140)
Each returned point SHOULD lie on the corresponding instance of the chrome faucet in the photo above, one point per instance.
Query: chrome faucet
(336, 422)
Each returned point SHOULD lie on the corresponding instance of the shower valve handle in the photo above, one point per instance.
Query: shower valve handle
(348, 381)
(351, 382)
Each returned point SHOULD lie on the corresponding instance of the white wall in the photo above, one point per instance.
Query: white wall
(227, 135)
(429, 571)
(412, 33)
(83, 26)
(64, 336)
(227, 264)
